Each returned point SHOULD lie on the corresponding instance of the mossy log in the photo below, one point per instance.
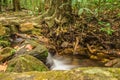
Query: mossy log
(89, 73)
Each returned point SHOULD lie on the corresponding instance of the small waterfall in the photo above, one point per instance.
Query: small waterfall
(67, 62)
(58, 63)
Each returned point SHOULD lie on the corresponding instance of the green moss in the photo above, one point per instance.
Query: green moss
(25, 63)
(5, 53)
(4, 41)
(39, 51)
(87, 73)
(2, 30)
(114, 71)
(36, 31)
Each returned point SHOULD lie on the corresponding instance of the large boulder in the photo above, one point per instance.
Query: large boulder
(88, 73)
(25, 63)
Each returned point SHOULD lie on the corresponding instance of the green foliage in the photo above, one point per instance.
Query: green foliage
(13, 51)
(84, 6)
(94, 7)
(81, 6)
(118, 14)
(35, 6)
(107, 28)
(4, 41)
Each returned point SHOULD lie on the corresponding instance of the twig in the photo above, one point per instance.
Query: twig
(76, 44)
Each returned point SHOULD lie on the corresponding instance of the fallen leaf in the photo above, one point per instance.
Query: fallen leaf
(3, 67)
(29, 47)
(1, 57)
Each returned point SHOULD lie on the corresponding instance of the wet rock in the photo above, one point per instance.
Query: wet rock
(88, 73)
(26, 27)
(25, 63)
(39, 52)
(33, 48)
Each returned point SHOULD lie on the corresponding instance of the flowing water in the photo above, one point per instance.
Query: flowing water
(59, 63)
(66, 62)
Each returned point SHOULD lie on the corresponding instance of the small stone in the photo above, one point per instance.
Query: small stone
(26, 27)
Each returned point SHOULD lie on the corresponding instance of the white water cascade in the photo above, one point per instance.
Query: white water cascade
(59, 63)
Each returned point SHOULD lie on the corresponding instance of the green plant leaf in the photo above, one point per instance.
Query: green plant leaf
(80, 11)
(108, 24)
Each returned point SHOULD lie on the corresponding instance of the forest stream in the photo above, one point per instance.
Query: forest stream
(66, 62)
(59, 40)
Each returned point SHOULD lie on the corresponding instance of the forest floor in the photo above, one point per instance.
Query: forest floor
(95, 38)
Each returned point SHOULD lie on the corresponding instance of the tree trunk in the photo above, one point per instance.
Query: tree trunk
(5, 2)
(16, 5)
(47, 4)
(0, 5)
(59, 12)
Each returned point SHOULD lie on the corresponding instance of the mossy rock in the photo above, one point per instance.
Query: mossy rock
(39, 51)
(13, 29)
(4, 36)
(87, 73)
(6, 53)
(4, 43)
(4, 30)
(25, 63)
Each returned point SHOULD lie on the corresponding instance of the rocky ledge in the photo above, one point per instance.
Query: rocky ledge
(88, 73)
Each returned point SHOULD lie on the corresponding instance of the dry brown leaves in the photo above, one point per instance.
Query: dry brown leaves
(3, 67)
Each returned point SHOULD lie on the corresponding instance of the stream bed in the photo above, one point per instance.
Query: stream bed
(63, 62)
(67, 62)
